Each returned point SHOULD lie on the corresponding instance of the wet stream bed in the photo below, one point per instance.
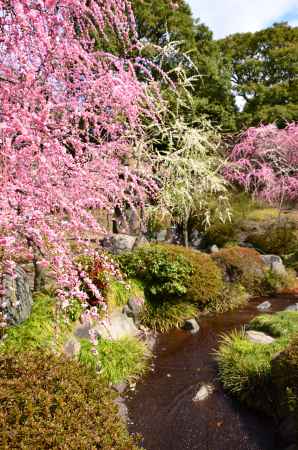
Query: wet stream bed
(161, 408)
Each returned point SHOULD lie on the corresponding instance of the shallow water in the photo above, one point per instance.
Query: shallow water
(162, 410)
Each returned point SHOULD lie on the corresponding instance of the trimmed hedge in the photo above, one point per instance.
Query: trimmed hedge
(50, 403)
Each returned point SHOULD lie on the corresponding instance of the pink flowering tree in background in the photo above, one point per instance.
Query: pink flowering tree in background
(265, 163)
(70, 118)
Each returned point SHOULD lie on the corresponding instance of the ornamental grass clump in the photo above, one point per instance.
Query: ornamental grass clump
(245, 367)
(50, 403)
(164, 316)
(249, 370)
(117, 361)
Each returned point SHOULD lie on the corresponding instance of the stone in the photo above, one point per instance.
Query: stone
(72, 347)
(214, 249)
(268, 260)
(161, 236)
(264, 306)
(126, 310)
(292, 307)
(16, 303)
(122, 408)
(82, 330)
(140, 241)
(119, 243)
(150, 341)
(275, 263)
(136, 305)
(192, 326)
(120, 387)
(117, 326)
(258, 337)
(203, 393)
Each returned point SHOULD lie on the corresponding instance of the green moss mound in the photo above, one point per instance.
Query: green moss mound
(119, 292)
(50, 403)
(244, 266)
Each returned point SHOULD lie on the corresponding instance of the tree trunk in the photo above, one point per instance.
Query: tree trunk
(185, 233)
(39, 278)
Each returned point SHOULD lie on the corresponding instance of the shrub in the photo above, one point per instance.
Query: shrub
(233, 297)
(244, 266)
(220, 234)
(278, 239)
(99, 270)
(116, 360)
(164, 273)
(50, 403)
(206, 283)
(276, 282)
(164, 316)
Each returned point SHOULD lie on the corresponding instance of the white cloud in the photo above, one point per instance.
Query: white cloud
(231, 16)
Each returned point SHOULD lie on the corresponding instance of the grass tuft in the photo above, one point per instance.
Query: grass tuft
(117, 361)
(119, 292)
(39, 331)
(164, 316)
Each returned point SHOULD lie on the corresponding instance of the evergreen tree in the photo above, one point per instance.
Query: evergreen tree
(265, 73)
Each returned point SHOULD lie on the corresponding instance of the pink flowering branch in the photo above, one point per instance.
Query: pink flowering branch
(70, 118)
(265, 163)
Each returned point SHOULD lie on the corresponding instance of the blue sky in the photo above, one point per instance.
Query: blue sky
(231, 16)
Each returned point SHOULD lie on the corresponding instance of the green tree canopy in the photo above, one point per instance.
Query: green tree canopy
(159, 21)
(265, 73)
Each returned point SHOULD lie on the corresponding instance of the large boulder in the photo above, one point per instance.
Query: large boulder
(258, 337)
(119, 243)
(16, 302)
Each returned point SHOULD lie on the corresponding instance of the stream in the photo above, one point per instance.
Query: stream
(161, 408)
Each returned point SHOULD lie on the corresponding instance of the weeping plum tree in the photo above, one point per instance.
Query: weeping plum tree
(265, 163)
(190, 179)
(69, 120)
